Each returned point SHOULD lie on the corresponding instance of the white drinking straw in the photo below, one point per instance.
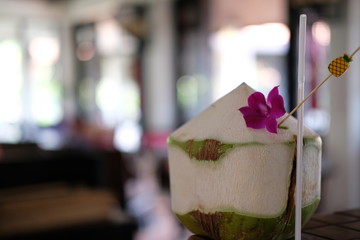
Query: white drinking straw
(300, 133)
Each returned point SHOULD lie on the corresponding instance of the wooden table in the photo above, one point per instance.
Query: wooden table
(344, 225)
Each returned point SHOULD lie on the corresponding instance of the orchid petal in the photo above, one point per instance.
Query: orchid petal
(255, 121)
(277, 109)
(246, 110)
(253, 118)
(271, 124)
(256, 99)
(272, 94)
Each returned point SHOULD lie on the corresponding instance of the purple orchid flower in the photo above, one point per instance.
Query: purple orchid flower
(261, 113)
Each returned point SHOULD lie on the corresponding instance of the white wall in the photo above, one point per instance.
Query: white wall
(29, 8)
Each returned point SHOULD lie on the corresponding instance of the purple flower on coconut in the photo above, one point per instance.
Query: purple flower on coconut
(263, 113)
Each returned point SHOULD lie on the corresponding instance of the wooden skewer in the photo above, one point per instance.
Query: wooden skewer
(306, 98)
(311, 93)
(354, 52)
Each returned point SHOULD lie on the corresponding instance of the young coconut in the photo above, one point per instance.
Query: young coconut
(229, 181)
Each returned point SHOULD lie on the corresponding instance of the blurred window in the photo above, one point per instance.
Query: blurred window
(30, 87)
(45, 85)
(117, 94)
(255, 54)
(108, 93)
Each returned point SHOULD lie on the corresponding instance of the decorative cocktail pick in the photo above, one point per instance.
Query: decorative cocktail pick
(337, 67)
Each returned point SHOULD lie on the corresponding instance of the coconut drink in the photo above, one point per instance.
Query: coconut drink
(229, 180)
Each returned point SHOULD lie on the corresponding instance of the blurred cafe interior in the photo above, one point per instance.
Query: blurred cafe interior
(91, 89)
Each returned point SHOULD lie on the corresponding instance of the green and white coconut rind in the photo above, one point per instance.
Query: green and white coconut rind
(246, 174)
(242, 200)
(222, 170)
(234, 226)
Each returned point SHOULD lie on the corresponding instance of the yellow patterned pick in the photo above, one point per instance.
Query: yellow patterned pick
(339, 65)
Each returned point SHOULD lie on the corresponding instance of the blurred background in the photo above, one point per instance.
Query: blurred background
(90, 90)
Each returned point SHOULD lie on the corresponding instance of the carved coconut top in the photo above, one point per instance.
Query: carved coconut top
(223, 121)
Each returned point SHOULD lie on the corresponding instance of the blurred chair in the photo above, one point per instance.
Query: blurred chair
(61, 194)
